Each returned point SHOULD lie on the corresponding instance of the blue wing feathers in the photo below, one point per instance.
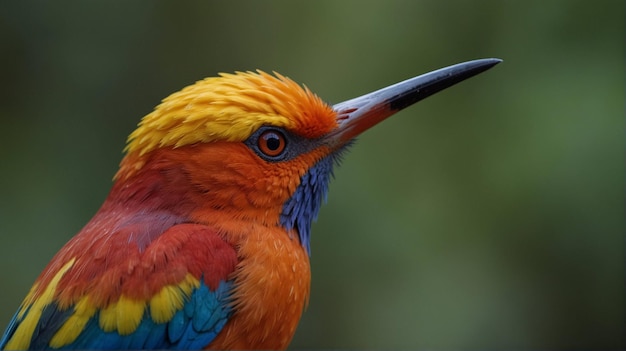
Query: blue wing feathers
(10, 330)
(203, 317)
(176, 327)
(50, 321)
(154, 337)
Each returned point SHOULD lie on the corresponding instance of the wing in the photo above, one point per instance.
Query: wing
(172, 293)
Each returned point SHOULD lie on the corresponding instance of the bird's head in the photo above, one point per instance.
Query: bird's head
(258, 147)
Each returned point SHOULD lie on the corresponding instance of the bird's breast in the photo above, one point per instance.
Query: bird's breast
(272, 283)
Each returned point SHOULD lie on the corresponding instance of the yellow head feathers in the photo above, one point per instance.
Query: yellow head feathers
(230, 108)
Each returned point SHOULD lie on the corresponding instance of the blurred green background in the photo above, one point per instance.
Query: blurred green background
(489, 216)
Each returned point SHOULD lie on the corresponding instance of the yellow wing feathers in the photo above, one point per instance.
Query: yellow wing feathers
(123, 315)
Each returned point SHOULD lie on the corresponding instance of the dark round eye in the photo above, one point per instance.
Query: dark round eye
(272, 143)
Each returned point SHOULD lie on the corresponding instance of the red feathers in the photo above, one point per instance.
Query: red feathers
(123, 262)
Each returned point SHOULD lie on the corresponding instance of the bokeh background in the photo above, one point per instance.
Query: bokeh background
(490, 216)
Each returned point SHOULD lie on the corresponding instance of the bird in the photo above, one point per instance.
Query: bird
(203, 241)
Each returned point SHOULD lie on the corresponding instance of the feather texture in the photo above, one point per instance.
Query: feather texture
(179, 284)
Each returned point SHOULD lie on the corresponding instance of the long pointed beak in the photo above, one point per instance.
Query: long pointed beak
(357, 115)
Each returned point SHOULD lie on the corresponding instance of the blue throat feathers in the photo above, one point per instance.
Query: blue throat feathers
(302, 208)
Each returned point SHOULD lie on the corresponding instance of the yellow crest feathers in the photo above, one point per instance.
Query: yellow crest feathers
(230, 108)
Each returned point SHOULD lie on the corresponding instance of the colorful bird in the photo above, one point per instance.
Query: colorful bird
(203, 241)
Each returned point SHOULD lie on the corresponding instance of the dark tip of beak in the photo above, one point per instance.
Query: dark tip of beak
(356, 115)
(437, 81)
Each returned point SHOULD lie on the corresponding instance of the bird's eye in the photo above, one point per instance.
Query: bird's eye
(271, 143)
